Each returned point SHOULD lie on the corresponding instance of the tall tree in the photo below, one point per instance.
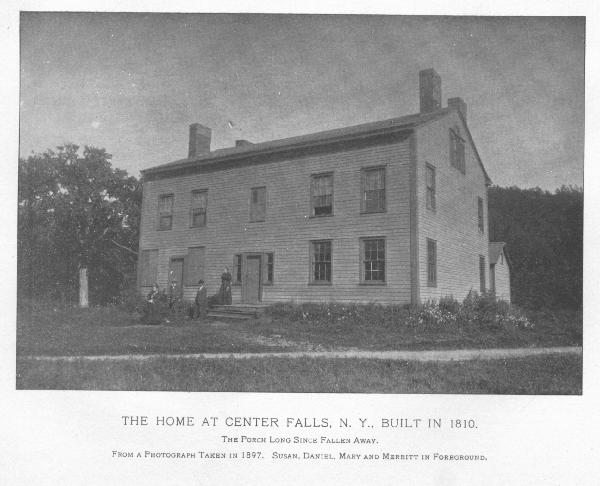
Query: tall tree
(76, 212)
(544, 236)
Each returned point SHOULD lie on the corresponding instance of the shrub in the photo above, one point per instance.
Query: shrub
(479, 311)
(334, 313)
(449, 304)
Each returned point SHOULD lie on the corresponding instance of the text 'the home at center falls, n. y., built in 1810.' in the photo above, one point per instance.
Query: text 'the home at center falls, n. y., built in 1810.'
(393, 211)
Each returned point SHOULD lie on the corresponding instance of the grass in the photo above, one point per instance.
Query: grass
(550, 329)
(43, 330)
(108, 330)
(535, 375)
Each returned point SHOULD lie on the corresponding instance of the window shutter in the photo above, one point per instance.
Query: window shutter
(194, 266)
(149, 267)
(264, 267)
(262, 203)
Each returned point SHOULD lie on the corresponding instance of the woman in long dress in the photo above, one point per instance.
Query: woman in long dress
(151, 314)
(225, 290)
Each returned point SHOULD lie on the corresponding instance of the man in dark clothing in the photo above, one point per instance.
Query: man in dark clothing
(200, 303)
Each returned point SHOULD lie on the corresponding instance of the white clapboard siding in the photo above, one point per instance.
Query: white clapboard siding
(288, 227)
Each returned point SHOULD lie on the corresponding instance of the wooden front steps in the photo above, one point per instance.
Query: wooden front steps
(236, 311)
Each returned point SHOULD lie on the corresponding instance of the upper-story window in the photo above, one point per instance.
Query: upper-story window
(480, 223)
(321, 194)
(373, 190)
(198, 209)
(165, 212)
(457, 150)
(258, 204)
(430, 187)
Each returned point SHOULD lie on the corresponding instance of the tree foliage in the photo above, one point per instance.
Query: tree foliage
(544, 236)
(75, 210)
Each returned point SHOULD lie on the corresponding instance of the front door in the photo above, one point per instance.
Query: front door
(251, 290)
(175, 283)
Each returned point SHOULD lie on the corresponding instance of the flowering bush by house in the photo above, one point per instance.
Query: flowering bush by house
(476, 310)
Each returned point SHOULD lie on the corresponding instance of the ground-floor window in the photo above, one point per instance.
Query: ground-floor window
(149, 270)
(320, 262)
(431, 263)
(373, 260)
(482, 273)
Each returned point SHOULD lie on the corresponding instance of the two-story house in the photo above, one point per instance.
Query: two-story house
(393, 211)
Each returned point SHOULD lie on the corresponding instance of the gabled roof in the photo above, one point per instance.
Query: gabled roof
(495, 250)
(488, 181)
(338, 135)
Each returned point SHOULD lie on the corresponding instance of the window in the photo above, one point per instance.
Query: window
(269, 272)
(373, 190)
(149, 268)
(480, 214)
(198, 209)
(482, 273)
(194, 266)
(165, 212)
(321, 195)
(258, 203)
(430, 184)
(237, 269)
(373, 260)
(320, 262)
(457, 150)
(431, 263)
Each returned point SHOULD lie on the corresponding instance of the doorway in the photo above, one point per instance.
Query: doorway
(252, 280)
(175, 282)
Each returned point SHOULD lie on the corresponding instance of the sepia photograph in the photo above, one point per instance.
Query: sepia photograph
(278, 203)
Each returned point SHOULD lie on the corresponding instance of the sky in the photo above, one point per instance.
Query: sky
(132, 83)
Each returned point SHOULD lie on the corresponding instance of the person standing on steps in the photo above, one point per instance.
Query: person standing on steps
(225, 290)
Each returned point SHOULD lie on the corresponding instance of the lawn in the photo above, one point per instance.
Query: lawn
(43, 330)
(536, 375)
(550, 329)
(108, 330)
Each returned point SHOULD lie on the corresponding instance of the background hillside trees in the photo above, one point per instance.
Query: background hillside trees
(544, 236)
(75, 211)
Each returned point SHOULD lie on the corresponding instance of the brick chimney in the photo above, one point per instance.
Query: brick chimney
(199, 140)
(430, 90)
(458, 104)
(242, 143)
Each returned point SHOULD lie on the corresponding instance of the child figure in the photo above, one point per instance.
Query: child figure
(200, 303)
(151, 314)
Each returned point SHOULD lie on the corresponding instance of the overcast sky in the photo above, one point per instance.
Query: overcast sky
(132, 83)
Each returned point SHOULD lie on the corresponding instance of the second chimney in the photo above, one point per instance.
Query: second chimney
(459, 105)
(430, 90)
(199, 140)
